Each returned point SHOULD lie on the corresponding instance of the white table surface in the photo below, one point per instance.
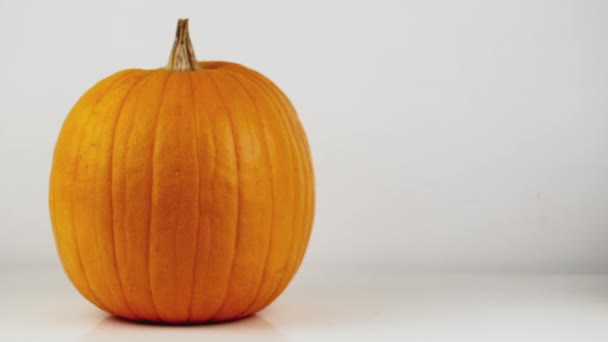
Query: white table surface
(338, 306)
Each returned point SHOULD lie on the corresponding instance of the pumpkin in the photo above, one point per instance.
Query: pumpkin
(182, 194)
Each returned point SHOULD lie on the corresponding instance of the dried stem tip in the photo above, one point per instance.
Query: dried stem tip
(182, 55)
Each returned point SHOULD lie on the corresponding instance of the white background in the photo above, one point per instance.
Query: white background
(451, 136)
(446, 135)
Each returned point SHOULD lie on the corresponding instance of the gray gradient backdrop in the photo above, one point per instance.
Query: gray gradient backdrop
(446, 135)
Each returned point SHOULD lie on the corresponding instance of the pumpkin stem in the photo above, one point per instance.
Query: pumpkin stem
(182, 55)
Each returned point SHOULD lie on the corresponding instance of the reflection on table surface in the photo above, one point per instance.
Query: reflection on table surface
(254, 327)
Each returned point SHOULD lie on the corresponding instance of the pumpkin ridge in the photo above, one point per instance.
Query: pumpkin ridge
(309, 166)
(203, 255)
(268, 159)
(295, 149)
(293, 117)
(239, 204)
(111, 187)
(142, 84)
(198, 195)
(111, 206)
(306, 227)
(160, 105)
(311, 200)
(213, 141)
(53, 202)
(278, 102)
(72, 218)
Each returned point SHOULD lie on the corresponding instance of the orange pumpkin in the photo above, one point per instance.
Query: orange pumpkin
(182, 194)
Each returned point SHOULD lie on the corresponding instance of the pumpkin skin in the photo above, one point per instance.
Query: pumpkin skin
(182, 196)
